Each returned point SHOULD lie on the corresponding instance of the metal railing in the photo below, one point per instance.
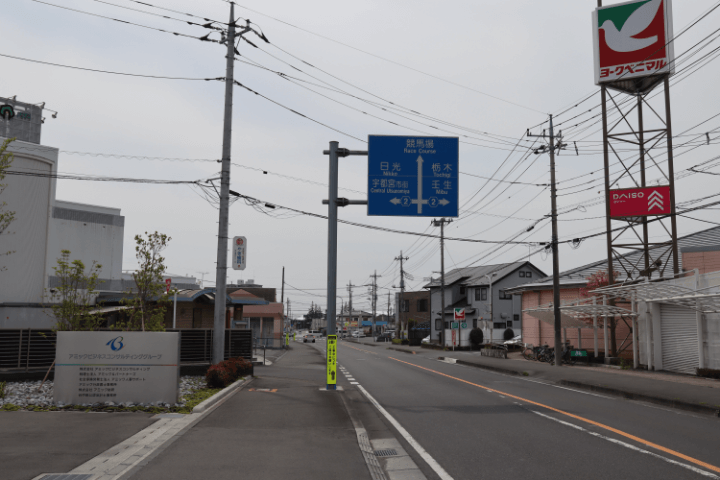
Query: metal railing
(33, 350)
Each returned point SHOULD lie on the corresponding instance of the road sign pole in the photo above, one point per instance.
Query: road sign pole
(332, 248)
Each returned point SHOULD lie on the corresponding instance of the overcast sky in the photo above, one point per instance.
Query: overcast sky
(501, 68)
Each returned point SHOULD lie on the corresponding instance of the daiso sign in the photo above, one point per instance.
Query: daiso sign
(640, 202)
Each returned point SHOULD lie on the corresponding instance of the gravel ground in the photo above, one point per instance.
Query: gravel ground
(24, 394)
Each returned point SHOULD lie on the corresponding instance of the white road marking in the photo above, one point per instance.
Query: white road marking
(566, 388)
(627, 445)
(354, 383)
(418, 448)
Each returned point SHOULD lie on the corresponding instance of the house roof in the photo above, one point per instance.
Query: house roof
(579, 275)
(474, 276)
(207, 294)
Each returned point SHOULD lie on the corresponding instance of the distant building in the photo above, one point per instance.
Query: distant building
(43, 227)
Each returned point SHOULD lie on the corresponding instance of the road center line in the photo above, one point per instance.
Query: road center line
(627, 445)
(577, 417)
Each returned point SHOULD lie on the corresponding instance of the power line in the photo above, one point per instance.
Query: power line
(105, 71)
(392, 61)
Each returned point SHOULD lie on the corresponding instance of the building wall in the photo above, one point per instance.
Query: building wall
(24, 277)
(537, 332)
(414, 313)
(705, 259)
(92, 234)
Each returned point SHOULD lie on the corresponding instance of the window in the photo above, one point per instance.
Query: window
(516, 317)
(481, 294)
(438, 325)
(474, 322)
(505, 296)
(522, 274)
(422, 305)
(462, 290)
(197, 318)
(499, 325)
(528, 274)
(447, 324)
(405, 305)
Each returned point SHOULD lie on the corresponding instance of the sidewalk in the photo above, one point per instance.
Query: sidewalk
(282, 426)
(684, 392)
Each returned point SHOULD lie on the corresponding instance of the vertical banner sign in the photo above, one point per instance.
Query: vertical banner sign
(632, 40)
(168, 282)
(239, 256)
(332, 359)
(640, 202)
(413, 176)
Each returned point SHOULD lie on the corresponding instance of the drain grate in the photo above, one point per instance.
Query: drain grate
(67, 476)
(386, 452)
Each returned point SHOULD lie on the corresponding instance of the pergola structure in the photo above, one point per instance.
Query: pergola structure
(585, 314)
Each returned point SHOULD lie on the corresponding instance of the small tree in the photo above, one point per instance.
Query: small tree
(74, 296)
(594, 281)
(6, 216)
(147, 302)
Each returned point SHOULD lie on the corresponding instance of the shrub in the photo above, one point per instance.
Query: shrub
(476, 336)
(226, 372)
(396, 341)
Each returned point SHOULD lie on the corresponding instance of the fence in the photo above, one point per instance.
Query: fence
(33, 350)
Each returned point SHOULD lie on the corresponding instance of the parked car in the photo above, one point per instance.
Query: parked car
(310, 337)
(385, 337)
(426, 339)
(358, 334)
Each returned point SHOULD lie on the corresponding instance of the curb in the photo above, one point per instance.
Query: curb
(209, 402)
(402, 350)
(678, 404)
(506, 371)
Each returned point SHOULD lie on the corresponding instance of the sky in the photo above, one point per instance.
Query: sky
(485, 71)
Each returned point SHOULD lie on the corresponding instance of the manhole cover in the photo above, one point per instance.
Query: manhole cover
(67, 476)
(386, 452)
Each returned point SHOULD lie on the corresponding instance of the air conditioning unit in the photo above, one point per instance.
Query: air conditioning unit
(250, 281)
(241, 282)
(505, 315)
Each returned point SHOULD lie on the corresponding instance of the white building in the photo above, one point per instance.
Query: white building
(44, 226)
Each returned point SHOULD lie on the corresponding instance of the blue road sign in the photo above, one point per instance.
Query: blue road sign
(413, 176)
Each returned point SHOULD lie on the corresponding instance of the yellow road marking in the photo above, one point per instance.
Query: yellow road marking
(577, 417)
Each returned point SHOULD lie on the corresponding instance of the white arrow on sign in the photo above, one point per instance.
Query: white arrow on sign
(419, 200)
(395, 201)
(655, 200)
(443, 202)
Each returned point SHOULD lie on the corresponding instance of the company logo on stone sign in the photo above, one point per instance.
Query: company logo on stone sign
(631, 39)
(639, 202)
(116, 344)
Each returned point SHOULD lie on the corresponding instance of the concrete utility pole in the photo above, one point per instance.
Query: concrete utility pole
(374, 301)
(554, 242)
(220, 278)
(441, 223)
(350, 285)
(282, 291)
(402, 285)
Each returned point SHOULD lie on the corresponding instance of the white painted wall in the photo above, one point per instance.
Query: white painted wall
(87, 241)
(24, 276)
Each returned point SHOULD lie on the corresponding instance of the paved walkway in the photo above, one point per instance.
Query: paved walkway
(280, 426)
(670, 389)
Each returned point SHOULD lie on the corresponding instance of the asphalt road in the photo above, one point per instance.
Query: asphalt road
(474, 423)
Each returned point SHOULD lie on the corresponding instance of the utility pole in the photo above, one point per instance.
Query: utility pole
(554, 242)
(402, 286)
(441, 223)
(374, 301)
(220, 278)
(282, 291)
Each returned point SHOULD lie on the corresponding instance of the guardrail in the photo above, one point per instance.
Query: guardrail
(33, 350)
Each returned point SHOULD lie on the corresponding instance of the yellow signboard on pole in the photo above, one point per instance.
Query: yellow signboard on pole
(331, 362)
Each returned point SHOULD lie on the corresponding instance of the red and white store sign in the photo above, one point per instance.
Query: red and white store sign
(640, 202)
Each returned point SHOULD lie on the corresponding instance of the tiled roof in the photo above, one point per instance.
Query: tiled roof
(274, 309)
(473, 276)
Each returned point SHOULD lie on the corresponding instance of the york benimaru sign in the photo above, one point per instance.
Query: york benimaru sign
(413, 176)
(640, 202)
(631, 40)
